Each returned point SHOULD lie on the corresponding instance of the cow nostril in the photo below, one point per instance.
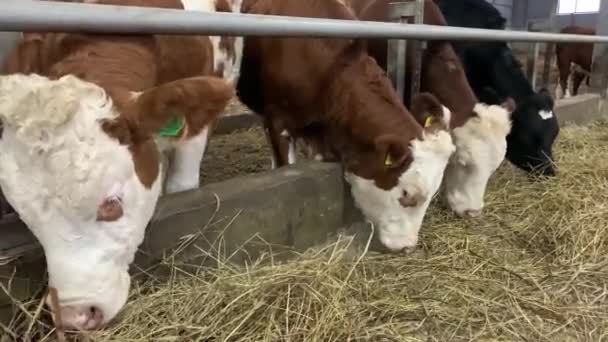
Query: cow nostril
(95, 318)
(407, 200)
(95, 313)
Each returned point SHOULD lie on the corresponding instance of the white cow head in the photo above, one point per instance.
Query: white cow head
(81, 168)
(481, 146)
(395, 186)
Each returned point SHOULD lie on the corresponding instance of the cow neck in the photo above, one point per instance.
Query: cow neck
(515, 84)
(361, 105)
(443, 75)
(461, 105)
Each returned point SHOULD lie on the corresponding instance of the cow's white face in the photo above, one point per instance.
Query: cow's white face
(81, 190)
(480, 148)
(396, 197)
(57, 167)
(398, 213)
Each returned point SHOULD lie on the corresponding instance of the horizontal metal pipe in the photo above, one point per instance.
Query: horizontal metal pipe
(48, 16)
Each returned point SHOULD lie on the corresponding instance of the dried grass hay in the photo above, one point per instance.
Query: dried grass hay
(533, 268)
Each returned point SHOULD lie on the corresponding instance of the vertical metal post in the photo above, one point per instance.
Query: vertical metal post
(531, 58)
(533, 53)
(599, 68)
(417, 50)
(403, 11)
(550, 47)
(397, 49)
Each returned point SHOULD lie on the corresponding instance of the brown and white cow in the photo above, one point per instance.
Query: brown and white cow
(79, 155)
(573, 60)
(331, 93)
(479, 131)
(83, 120)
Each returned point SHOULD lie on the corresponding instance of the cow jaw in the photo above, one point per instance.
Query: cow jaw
(57, 167)
(480, 148)
(397, 223)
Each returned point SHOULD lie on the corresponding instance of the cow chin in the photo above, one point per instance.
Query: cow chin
(465, 188)
(92, 282)
(467, 175)
(397, 227)
(92, 302)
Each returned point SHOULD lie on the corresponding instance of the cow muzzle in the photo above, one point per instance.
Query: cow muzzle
(82, 318)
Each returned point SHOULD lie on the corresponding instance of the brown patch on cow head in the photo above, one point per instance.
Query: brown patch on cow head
(198, 101)
(428, 112)
(444, 76)
(442, 72)
(381, 128)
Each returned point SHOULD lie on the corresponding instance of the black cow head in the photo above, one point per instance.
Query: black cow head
(535, 128)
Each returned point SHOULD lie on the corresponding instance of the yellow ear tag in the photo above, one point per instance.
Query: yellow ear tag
(388, 161)
(428, 122)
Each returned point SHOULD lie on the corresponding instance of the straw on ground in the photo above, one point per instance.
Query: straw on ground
(533, 268)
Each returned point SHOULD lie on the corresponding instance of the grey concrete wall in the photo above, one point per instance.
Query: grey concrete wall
(524, 10)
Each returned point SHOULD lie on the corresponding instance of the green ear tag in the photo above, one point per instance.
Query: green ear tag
(173, 128)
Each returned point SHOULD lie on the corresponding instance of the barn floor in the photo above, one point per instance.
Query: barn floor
(533, 268)
(239, 153)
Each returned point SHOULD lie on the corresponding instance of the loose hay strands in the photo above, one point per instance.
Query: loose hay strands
(55, 304)
(533, 268)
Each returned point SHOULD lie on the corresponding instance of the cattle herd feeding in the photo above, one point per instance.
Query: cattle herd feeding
(86, 117)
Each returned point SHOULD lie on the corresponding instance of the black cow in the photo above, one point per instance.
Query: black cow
(495, 74)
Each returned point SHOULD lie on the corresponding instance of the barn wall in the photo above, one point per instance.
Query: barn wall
(505, 7)
(524, 10)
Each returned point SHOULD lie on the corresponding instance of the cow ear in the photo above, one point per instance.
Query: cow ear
(393, 149)
(174, 109)
(429, 112)
(177, 107)
(509, 104)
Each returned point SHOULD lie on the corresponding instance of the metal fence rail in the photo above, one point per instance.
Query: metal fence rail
(50, 16)
(21, 15)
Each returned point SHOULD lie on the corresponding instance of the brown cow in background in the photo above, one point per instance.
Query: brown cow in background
(579, 54)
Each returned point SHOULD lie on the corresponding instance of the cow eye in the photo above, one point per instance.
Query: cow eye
(110, 210)
(408, 201)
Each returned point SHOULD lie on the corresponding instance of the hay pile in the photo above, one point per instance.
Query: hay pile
(534, 268)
